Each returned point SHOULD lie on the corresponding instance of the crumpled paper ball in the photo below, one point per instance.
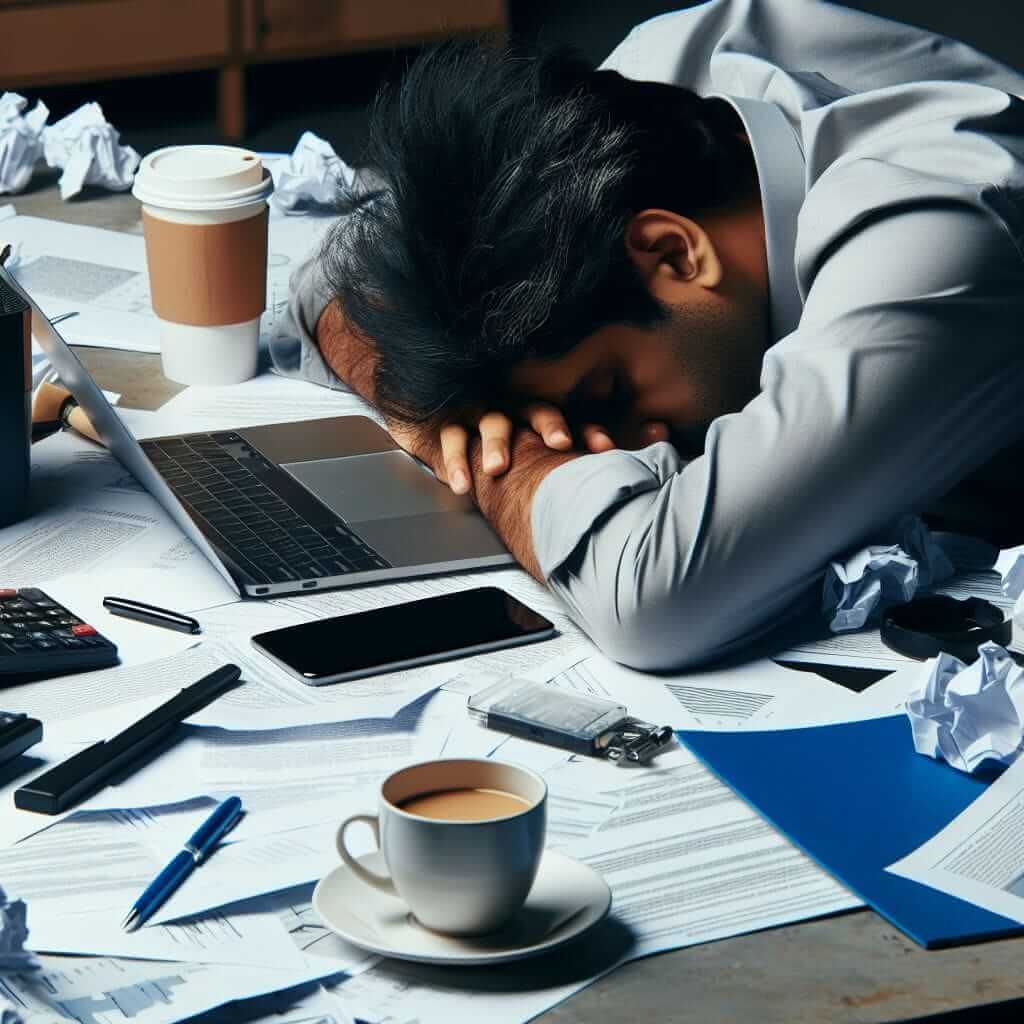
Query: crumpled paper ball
(21, 140)
(87, 147)
(313, 176)
(969, 714)
(859, 588)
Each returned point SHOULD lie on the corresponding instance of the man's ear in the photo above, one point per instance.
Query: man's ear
(673, 254)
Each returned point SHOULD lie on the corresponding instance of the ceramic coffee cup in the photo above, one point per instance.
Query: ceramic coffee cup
(457, 877)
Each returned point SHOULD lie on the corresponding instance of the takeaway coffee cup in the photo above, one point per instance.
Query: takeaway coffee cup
(462, 840)
(204, 214)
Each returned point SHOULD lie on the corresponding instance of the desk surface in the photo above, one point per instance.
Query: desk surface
(853, 967)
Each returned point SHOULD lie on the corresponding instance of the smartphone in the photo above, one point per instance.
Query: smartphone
(403, 635)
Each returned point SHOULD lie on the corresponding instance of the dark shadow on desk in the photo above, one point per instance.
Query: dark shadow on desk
(21, 769)
(1010, 1011)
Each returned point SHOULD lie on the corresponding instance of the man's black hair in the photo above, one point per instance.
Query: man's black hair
(500, 237)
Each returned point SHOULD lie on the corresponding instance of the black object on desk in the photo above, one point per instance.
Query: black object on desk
(89, 770)
(39, 637)
(15, 400)
(17, 734)
(929, 625)
(151, 615)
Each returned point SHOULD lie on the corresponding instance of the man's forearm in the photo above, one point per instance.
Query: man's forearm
(506, 501)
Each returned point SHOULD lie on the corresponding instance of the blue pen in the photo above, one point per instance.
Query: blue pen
(225, 816)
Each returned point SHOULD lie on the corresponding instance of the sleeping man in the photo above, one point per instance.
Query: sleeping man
(691, 325)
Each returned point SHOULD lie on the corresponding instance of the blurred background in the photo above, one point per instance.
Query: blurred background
(263, 71)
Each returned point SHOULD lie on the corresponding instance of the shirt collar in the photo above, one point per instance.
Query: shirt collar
(780, 168)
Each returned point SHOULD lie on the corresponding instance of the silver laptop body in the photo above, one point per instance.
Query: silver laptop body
(291, 507)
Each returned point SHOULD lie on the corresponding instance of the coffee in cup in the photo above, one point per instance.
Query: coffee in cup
(462, 840)
(465, 804)
(205, 217)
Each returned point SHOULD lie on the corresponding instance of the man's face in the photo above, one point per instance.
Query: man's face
(700, 363)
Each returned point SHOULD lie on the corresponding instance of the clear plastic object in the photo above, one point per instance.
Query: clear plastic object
(572, 721)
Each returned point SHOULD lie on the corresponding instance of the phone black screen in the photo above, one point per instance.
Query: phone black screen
(416, 631)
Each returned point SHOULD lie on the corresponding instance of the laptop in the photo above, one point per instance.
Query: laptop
(291, 507)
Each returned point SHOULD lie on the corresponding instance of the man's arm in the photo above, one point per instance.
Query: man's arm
(905, 374)
(504, 500)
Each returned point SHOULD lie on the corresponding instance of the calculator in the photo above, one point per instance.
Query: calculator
(40, 637)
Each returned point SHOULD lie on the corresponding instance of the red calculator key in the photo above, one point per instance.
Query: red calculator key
(6, 593)
(83, 629)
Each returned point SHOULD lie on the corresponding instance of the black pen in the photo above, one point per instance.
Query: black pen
(71, 781)
(150, 614)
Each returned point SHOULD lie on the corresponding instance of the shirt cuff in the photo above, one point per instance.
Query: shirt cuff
(572, 498)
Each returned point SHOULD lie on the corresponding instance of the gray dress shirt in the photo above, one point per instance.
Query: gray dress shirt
(891, 163)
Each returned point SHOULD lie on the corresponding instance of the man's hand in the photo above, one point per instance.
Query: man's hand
(507, 500)
(496, 430)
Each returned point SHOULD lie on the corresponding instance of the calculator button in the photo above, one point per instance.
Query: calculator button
(7, 636)
(39, 636)
(72, 642)
(65, 620)
(83, 629)
(45, 645)
(22, 645)
(6, 593)
(17, 605)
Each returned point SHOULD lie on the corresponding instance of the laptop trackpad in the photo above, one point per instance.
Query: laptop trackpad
(381, 485)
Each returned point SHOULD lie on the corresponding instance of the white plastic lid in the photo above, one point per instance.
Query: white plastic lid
(202, 178)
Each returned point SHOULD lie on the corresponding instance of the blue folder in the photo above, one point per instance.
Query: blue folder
(855, 798)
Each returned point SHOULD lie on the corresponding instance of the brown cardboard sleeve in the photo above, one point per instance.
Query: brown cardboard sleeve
(207, 274)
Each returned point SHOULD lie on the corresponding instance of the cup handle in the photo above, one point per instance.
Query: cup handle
(381, 882)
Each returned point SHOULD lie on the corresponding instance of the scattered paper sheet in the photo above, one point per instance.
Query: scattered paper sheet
(254, 939)
(968, 715)
(21, 140)
(311, 178)
(87, 147)
(136, 642)
(859, 588)
(268, 398)
(102, 990)
(978, 856)
(100, 275)
(748, 695)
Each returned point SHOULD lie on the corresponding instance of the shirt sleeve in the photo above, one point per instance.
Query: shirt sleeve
(296, 354)
(906, 372)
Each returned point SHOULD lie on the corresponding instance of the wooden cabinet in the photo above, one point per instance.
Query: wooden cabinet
(284, 28)
(51, 42)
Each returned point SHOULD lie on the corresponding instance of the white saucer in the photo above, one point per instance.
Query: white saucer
(567, 899)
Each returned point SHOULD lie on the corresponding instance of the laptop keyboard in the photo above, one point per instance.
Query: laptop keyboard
(268, 538)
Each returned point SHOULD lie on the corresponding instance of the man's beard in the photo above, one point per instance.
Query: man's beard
(721, 355)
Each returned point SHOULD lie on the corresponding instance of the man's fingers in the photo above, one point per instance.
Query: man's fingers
(454, 442)
(496, 434)
(655, 431)
(596, 439)
(548, 421)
